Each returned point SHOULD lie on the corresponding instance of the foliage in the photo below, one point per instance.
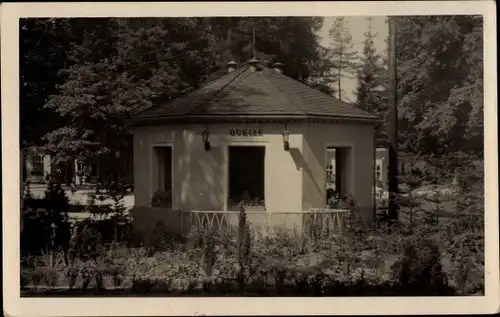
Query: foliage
(162, 199)
(345, 201)
(45, 221)
(420, 267)
(289, 40)
(161, 239)
(440, 75)
(112, 68)
(85, 241)
(284, 263)
(243, 246)
(28, 194)
(467, 258)
(246, 201)
(42, 47)
(116, 191)
(56, 200)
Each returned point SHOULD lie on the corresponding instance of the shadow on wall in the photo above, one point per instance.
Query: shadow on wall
(198, 174)
(300, 162)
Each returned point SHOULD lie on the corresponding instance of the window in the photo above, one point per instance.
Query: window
(379, 174)
(37, 161)
(246, 175)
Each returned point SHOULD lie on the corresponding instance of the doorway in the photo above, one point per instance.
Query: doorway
(162, 175)
(246, 175)
(339, 169)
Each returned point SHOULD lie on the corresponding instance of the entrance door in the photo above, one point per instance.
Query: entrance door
(246, 175)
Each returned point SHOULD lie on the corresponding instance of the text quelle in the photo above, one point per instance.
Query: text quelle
(246, 132)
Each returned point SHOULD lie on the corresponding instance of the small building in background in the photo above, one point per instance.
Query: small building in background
(39, 168)
(405, 163)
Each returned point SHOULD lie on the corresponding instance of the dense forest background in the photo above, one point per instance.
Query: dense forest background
(82, 78)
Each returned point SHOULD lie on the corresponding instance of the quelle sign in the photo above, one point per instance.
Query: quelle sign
(246, 132)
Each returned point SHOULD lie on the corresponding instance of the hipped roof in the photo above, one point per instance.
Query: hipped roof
(253, 94)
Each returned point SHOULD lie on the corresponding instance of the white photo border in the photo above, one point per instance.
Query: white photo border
(14, 305)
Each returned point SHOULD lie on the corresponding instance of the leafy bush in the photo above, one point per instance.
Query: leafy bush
(286, 262)
(86, 241)
(45, 221)
(466, 252)
(162, 239)
(51, 263)
(162, 199)
(338, 201)
(56, 200)
(420, 268)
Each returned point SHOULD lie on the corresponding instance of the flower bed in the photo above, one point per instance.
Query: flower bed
(420, 255)
(364, 262)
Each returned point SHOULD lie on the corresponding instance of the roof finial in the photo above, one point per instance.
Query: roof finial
(231, 66)
(278, 67)
(253, 64)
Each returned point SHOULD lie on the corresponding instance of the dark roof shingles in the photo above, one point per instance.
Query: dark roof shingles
(243, 92)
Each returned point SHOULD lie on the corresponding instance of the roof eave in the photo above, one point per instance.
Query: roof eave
(206, 119)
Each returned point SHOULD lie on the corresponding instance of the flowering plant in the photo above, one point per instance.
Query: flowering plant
(338, 201)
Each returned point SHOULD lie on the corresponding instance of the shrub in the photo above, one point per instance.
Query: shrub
(162, 199)
(52, 264)
(28, 194)
(419, 267)
(466, 252)
(45, 221)
(86, 241)
(37, 232)
(346, 201)
(162, 239)
(56, 200)
(71, 272)
(243, 246)
(26, 277)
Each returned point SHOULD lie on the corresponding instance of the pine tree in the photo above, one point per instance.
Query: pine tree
(371, 90)
(321, 75)
(342, 53)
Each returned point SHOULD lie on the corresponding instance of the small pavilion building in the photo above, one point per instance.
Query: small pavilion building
(255, 136)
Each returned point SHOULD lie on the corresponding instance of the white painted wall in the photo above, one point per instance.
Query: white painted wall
(294, 180)
(358, 166)
(200, 178)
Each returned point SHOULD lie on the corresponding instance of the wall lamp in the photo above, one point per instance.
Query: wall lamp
(205, 137)
(286, 137)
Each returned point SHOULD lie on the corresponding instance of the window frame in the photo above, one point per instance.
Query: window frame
(247, 143)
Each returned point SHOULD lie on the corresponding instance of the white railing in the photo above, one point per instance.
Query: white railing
(312, 222)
